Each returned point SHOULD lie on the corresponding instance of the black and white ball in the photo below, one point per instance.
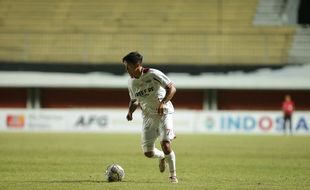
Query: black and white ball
(114, 173)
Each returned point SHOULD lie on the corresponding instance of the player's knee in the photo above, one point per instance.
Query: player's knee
(167, 151)
(149, 154)
(166, 147)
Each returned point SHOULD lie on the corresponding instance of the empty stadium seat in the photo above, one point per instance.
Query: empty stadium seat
(182, 32)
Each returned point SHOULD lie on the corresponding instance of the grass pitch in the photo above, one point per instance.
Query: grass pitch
(78, 161)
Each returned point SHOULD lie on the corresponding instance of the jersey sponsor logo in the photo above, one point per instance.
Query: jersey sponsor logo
(144, 92)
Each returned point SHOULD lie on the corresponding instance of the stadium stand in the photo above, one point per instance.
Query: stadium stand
(299, 52)
(270, 12)
(175, 32)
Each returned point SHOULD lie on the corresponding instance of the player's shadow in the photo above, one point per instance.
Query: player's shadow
(66, 181)
(80, 181)
(95, 181)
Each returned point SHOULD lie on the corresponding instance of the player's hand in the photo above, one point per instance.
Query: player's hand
(129, 116)
(160, 109)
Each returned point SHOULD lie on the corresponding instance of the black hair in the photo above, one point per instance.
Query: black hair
(133, 58)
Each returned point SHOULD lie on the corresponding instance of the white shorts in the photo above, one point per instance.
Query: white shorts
(156, 126)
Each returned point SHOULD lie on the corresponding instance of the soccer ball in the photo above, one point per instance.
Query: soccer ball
(114, 173)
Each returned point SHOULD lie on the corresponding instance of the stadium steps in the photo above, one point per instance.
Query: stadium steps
(198, 32)
(299, 52)
(269, 12)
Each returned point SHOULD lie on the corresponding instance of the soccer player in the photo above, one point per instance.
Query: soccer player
(152, 90)
(288, 107)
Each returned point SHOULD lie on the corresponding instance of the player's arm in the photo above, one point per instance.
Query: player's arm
(133, 105)
(170, 91)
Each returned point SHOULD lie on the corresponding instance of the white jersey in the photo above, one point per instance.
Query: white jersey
(149, 90)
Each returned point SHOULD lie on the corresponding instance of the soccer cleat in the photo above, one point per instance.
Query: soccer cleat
(162, 165)
(173, 179)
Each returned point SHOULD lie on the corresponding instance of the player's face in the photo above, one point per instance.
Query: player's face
(131, 69)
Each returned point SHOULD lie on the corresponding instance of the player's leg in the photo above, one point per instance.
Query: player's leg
(284, 124)
(153, 152)
(167, 135)
(290, 125)
(149, 136)
(170, 159)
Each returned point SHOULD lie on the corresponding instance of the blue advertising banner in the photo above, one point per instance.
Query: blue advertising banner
(252, 123)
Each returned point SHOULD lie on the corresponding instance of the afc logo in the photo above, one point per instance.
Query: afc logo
(92, 121)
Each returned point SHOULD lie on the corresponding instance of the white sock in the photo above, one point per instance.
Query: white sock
(170, 159)
(158, 154)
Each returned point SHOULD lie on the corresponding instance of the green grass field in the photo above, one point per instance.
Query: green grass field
(78, 161)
